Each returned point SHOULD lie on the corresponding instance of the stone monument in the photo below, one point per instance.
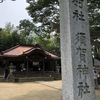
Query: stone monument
(76, 58)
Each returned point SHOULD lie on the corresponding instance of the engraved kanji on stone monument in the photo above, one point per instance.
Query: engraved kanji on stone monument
(78, 15)
(76, 59)
(82, 71)
(78, 3)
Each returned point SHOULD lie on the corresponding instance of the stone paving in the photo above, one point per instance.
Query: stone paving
(39, 90)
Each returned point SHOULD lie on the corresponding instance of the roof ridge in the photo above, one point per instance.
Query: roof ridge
(11, 48)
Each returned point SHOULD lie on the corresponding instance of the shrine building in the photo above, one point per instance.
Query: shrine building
(30, 61)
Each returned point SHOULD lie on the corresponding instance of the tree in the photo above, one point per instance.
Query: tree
(5, 40)
(0, 29)
(26, 26)
(50, 43)
(27, 31)
(94, 13)
(47, 11)
(9, 27)
(16, 38)
(10, 37)
(44, 12)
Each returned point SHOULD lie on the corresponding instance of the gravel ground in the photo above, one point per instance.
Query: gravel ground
(33, 91)
(28, 91)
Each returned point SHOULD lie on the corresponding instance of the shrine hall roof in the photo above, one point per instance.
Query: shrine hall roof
(20, 50)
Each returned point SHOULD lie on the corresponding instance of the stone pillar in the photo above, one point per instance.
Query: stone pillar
(76, 58)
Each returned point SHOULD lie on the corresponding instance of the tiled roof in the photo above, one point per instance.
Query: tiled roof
(19, 50)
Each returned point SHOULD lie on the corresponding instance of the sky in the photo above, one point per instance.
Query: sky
(13, 11)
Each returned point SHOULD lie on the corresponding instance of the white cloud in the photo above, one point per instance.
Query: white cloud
(13, 11)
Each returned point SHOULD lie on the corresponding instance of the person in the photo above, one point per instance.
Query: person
(95, 78)
(6, 72)
(22, 67)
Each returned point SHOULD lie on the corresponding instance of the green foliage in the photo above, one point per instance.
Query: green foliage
(9, 27)
(46, 11)
(50, 44)
(16, 37)
(9, 36)
(26, 26)
(0, 29)
(5, 40)
(94, 13)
